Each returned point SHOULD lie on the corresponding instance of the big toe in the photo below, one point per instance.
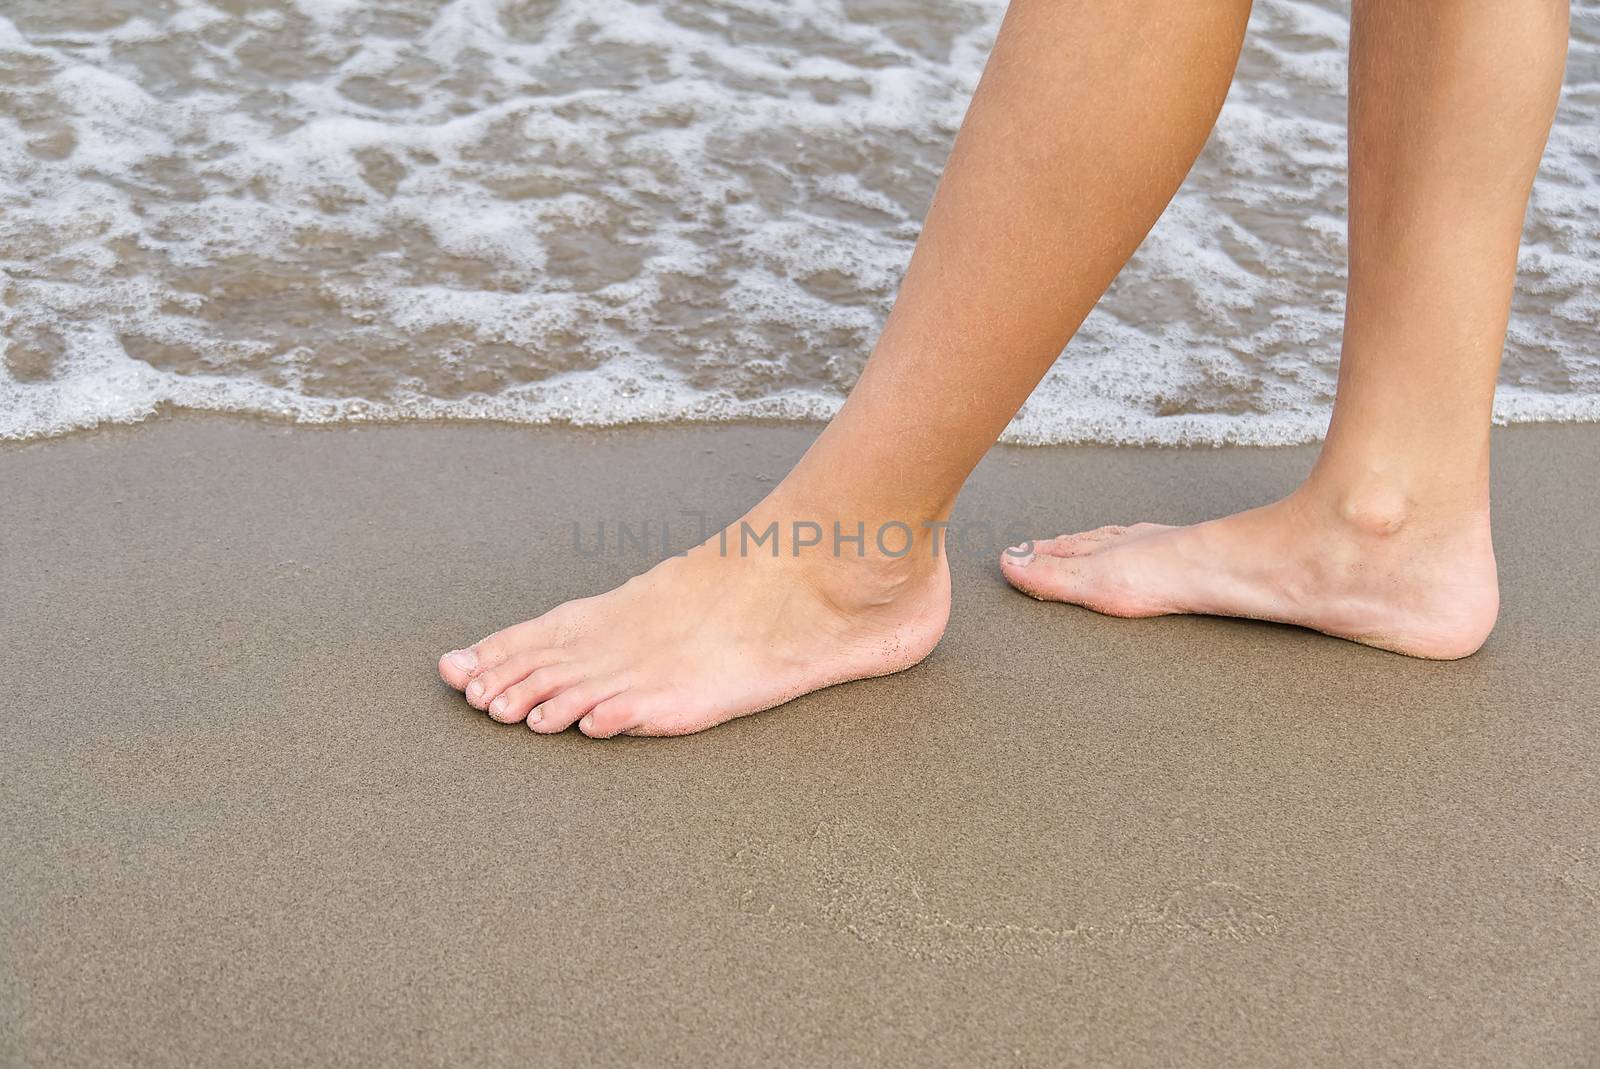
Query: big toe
(1096, 579)
(458, 667)
(1047, 576)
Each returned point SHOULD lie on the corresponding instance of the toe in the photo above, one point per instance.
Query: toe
(458, 667)
(616, 714)
(1061, 545)
(541, 685)
(562, 711)
(493, 682)
(1070, 545)
(1085, 540)
(551, 629)
(1096, 580)
(1045, 576)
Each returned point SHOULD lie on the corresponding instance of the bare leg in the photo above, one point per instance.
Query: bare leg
(1388, 540)
(1087, 118)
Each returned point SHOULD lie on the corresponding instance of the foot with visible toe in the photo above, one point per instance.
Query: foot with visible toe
(707, 637)
(1379, 573)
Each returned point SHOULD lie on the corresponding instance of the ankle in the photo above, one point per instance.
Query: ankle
(854, 566)
(1384, 511)
(820, 528)
(1373, 512)
(855, 584)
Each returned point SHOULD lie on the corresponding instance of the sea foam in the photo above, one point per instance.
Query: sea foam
(604, 211)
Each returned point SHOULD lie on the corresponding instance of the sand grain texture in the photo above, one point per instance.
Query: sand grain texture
(244, 825)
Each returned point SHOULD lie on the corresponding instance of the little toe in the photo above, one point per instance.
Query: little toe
(615, 715)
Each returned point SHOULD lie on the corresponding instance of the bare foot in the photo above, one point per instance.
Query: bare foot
(1407, 583)
(707, 637)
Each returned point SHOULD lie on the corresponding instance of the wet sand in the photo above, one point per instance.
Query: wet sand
(244, 824)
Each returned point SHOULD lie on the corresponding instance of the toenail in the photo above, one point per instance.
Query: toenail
(586, 724)
(475, 689)
(465, 660)
(1020, 555)
(498, 706)
(536, 716)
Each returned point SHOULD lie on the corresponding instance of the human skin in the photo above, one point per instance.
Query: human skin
(1388, 541)
(1087, 119)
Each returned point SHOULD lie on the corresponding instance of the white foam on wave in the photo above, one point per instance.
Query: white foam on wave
(604, 211)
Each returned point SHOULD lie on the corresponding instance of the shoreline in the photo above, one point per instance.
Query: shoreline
(242, 815)
(1580, 411)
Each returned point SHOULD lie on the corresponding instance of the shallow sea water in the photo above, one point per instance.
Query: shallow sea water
(602, 211)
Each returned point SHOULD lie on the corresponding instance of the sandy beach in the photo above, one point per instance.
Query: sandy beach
(244, 823)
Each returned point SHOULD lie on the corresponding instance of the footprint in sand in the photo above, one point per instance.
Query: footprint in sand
(846, 878)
